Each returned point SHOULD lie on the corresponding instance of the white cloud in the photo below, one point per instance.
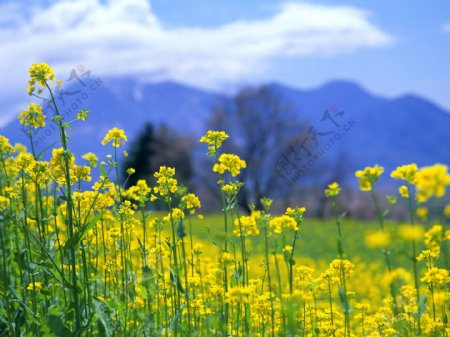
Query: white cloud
(446, 28)
(125, 37)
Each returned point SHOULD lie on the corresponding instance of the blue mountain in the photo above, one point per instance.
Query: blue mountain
(385, 131)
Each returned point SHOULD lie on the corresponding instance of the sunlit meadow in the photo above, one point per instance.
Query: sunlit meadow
(98, 262)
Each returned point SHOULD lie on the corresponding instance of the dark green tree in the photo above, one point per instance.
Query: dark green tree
(155, 147)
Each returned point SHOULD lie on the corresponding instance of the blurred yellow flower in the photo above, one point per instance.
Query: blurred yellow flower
(277, 224)
(422, 213)
(447, 211)
(37, 286)
(368, 177)
(333, 190)
(405, 172)
(377, 239)
(404, 192)
(431, 181)
(91, 158)
(410, 232)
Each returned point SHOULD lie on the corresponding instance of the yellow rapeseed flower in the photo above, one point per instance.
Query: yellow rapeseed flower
(4, 202)
(404, 192)
(191, 201)
(229, 162)
(447, 211)
(431, 181)
(428, 255)
(166, 183)
(410, 232)
(40, 75)
(37, 286)
(32, 116)
(174, 216)
(91, 158)
(436, 276)
(377, 239)
(82, 114)
(25, 161)
(238, 294)
(232, 188)
(433, 238)
(333, 190)
(277, 224)
(397, 275)
(422, 212)
(5, 146)
(247, 225)
(20, 148)
(117, 136)
(340, 265)
(405, 172)
(287, 249)
(296, 213)
(214, 139)
(368, 177)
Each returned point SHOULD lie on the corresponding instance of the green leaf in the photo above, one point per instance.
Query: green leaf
(181, 230)
(106, 325)
(19, 321)
(102, 170)
(175, 319)
(67, 126)
(218, 245)
(422, 306)
(175, 281)
(57, 326)
(78, 236)
(39, 156)
(160, 331)
(345, 305)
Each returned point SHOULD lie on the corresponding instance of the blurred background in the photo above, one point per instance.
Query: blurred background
(309, 91)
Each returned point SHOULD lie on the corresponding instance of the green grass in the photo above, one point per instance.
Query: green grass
(317, 240)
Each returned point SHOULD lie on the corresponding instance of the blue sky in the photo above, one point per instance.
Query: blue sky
(389, 47)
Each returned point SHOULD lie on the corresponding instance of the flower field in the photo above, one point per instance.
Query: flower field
(98, 262)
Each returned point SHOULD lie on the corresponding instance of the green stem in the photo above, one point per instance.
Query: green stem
(272, 310)
(63, 138)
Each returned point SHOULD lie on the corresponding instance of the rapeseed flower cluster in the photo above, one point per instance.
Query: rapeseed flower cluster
(32, 116)
(333, 190)
(116, 136)
(166, 184)
(40, 75)
(431, 181)
(368, 177)
(214, 139)
(229, 163)
(99, 262)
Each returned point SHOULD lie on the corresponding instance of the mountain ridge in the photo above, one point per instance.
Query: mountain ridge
(396, 130)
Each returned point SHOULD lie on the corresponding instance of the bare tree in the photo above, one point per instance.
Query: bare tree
(260, 125)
